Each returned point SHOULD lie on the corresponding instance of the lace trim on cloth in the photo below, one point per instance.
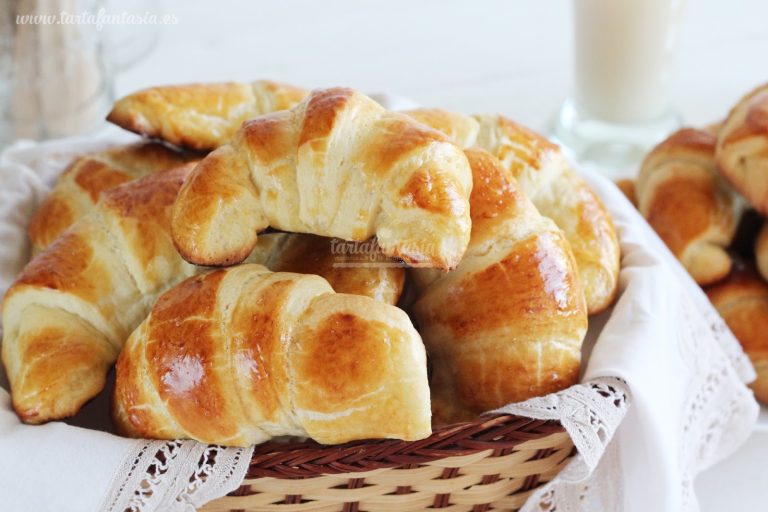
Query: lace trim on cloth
(719, 410)
(176, 476)
(590, 413)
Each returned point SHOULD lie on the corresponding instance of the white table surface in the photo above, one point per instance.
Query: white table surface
(511, 56)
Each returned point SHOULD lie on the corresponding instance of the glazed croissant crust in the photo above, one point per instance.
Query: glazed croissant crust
(544, 175)
(337, 165)
(80, 185)
(240, 355)
(67, 315)
(201, 116)
(508, 323)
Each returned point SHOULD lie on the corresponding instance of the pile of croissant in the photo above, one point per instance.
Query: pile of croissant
(211, 267)
(705, 192)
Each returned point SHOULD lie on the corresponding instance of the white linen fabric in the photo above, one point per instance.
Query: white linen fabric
(662, 348)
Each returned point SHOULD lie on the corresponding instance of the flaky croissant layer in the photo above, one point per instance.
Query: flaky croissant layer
(337, 165)
(240, 355)
(201, 116)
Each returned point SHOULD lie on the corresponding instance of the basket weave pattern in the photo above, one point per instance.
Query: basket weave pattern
(491, 463)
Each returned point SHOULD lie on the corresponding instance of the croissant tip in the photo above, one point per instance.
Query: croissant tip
(28, 416)
(214, 260)
(35, 415)
(112, 116)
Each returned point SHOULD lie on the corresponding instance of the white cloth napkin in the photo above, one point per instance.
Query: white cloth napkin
(690, 406)
(683, 370)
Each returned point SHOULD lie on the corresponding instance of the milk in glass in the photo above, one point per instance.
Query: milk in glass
(624, 56)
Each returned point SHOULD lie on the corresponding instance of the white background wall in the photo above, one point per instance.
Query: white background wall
(512, 56)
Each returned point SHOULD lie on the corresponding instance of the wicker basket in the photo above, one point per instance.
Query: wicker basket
(491, 463)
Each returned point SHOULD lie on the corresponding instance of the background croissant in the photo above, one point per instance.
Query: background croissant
(544, 175)
(337, 165)
(742, 148)
(507, 324)
(242, 354)
(692, 208)
(742, 301)
(761, 251)
(201, 116)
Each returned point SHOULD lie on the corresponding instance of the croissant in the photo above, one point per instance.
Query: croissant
(336, 165)
(81, 184)
(69, 312)
(544, 175)
(682, 195)
(628, 188)
(761, 251)
(507, 324)
(355, 268)
(240, 355)
(742, 148)
(742, 301)
(200, 116)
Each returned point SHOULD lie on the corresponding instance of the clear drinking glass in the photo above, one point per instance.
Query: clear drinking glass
(624, 56)
(54, 79)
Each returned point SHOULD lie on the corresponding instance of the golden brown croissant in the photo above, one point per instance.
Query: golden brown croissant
(349, 267)
(73, 306)
(336, 165)
(507, 324)
(761, 251)
(742, 301)
(685, 200)
(544, 175)
(240, 355)
(201, 116)
(742, 148)
(81, 184)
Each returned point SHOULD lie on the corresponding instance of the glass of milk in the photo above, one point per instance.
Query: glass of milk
(624, 56)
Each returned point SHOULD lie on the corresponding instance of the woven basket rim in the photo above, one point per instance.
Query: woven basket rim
(306, 459)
